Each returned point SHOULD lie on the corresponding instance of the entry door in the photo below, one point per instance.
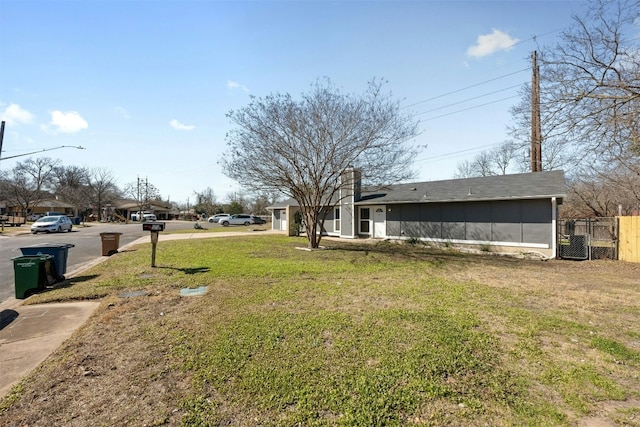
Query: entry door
(283, 221)
(379, 222)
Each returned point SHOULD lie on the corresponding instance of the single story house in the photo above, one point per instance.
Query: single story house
(36, 211)
(506, 213)
(122, 210)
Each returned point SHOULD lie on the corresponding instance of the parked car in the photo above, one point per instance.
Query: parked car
(239, 219)
(143, 216)
(52, 223)
(258, 220)
(216, 217)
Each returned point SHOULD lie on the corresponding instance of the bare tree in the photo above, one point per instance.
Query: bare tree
(591, 80)
(483, 164)
(143, 192)
(102, 187)
(302, 148)
(591, 195)
(558, 152)
(589, 198)
(464, 169)
(237, 202)
(503, 156)
(72, 183)
(205, 201)
(27, 183)
(488, 162)
(262, 200)
(590, 106)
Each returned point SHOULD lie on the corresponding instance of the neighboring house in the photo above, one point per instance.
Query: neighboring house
(122, 210)
(47, 205)
(508, 213)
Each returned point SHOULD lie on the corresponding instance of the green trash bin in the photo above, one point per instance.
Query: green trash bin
(33, 273)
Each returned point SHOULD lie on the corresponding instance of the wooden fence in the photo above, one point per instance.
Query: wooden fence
(629, 238)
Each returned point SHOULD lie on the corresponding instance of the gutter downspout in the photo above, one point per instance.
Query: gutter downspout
(554, 228)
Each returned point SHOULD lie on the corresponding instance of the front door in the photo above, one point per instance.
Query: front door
(283, 221)
(379, 222)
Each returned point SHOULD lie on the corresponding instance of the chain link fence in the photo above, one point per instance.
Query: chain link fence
(587, 238)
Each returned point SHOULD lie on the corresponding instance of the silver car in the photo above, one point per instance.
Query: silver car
(52, 223)
(217, 217)
(240, 219)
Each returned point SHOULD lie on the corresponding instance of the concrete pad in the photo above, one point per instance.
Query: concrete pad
(28, 334)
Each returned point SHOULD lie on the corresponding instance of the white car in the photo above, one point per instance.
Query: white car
(52, 223)
(146, 216)
(216, 217)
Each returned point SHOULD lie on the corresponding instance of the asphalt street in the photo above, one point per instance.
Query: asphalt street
(86, 240)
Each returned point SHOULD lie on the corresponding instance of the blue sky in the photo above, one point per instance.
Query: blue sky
(144, 85)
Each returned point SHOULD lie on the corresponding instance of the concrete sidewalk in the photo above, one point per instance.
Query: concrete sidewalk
(30, 333)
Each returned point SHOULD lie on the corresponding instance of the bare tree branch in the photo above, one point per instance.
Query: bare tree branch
(302, 148)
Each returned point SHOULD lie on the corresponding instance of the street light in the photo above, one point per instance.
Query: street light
(33, 152)
(79, 147)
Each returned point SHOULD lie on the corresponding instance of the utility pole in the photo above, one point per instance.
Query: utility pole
(536, 132)
(1, 136)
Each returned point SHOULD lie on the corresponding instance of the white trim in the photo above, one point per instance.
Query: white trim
(554, 225)
(333, 234)
(476, 242)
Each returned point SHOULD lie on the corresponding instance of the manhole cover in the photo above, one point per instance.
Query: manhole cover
(189, 292)
(132, 294)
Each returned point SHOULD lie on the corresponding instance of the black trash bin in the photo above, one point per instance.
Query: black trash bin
(59, 252)
(33, 273)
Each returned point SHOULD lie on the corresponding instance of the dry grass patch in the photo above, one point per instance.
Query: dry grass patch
(357, 334)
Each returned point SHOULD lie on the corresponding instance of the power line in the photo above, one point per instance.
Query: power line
(465, 88)
(532, 38)
(470, 150)
(470, 99)
(467, 109)
(456, 153)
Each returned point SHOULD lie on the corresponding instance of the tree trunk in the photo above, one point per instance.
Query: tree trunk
(312, 231)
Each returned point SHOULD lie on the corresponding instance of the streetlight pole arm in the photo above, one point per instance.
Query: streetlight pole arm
(79, 147)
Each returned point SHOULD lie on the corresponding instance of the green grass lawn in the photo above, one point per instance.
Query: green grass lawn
(384, 334)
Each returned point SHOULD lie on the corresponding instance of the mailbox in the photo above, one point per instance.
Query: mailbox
(153, 226)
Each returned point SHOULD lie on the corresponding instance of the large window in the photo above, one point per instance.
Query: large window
(365, 221)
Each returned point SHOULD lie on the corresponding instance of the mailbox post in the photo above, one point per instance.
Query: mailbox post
(155, 228)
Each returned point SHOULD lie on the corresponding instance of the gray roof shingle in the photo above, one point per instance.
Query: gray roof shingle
(533, 185)
(499, 187)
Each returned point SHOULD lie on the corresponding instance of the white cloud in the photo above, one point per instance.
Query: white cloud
(14, 114)
(235, 85)
(488, 44)
(179, 126)
(69, 122)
